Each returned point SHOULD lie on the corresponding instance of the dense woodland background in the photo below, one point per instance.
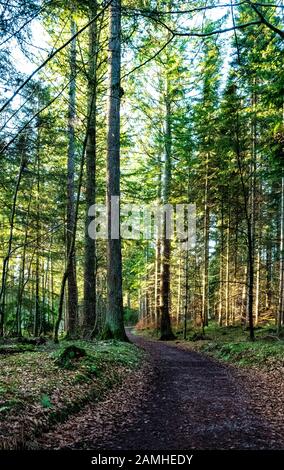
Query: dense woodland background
(198, 94)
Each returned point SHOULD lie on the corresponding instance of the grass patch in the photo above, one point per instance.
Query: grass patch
(247, 353)
(231, 344)
(15, 348)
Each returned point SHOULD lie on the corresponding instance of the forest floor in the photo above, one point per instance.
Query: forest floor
(182, 399)
(41, 385)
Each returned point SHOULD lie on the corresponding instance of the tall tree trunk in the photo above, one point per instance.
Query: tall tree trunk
(280, 316)
(157, 291)
(244, 295)
(37, 297)
(251, 285)
(221, 282)
(72, 298)
(180, 288)
(257, 287)
(114, 324)
(205, 283)
(89, 315)
(236, 288)
(20, 292)
(7, 257)
(52, 292)
(37, 269)
(22, 282)
(166, 329)
(249, 217)
(227, 290)
(186, 302)
(157, 283)
(251, 225)
(147, 287)
(268, 297)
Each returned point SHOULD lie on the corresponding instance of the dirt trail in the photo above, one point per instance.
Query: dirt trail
(190, 402)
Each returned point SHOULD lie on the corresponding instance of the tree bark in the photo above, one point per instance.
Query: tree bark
(250, 233)
(114, 324)
(166, 329)
(6, 260)
(157, 284)
(221, 282)
(22, 282)
(205, 283)
(257, 290)
(180, 288)
(280, 315)
(268, 298)
(72, 302)
(227, 290)
(89, 315)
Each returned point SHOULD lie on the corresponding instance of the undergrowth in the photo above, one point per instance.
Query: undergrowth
(44, 385)
(232, 343)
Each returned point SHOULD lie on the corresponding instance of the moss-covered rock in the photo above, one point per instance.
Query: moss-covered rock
(70, 354)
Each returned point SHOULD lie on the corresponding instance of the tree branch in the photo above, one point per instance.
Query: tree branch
(150, 58)
(210, 33)
(265, 21)
(52, 55)
(178, 12)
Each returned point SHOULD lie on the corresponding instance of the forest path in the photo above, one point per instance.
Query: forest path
(191, 402)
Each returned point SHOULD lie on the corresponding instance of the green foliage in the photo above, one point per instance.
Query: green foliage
(15, 404)
(45, 401)
(67, 356)
(246, 353)
(81, 378)
(14, 347)
(130, 316)
(92, 356)
(231, 344)
(93, 368)
(198, 336)
(4, 408)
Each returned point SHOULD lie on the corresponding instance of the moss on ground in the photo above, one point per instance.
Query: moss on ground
(247, 353)
(36, 389)
(232, 344)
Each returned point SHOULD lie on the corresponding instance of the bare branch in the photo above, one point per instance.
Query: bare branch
(180, 12)
(145, 11)
(210, 33)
